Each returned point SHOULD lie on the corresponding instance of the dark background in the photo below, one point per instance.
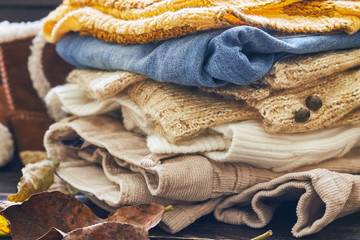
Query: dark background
(26, 10)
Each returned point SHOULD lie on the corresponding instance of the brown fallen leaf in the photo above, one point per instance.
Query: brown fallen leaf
(109, 231)
(55, 215)
(37, 177)
(4, 225)
(146, 215)
(34, 217)
(5, 204)
(53, 234)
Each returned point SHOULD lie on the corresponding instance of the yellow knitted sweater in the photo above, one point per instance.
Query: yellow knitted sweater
(142, 21)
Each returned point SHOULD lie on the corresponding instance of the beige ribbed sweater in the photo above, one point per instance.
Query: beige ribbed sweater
(322, 196)
(118, 169)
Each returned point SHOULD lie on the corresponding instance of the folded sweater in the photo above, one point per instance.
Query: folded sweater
(240, 55)
(140, 22)
(245, 141)
(114, 167)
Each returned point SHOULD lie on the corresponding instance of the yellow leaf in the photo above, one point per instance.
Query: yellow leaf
(37, 177)
(4, 226)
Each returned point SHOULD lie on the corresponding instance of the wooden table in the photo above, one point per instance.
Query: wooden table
(347, 228)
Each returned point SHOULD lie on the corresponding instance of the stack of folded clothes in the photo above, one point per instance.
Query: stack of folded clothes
(230, 107)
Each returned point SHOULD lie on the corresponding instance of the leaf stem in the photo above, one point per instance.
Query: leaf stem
(263, 236)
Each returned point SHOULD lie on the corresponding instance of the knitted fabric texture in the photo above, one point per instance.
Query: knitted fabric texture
(292, 72)
(186, 119)
(322, 195)
(138, 22)
(339, 93)
(70, 99)
(129, 167)
(103, 85)
(176, 112)
(182, 112)
(244, 142)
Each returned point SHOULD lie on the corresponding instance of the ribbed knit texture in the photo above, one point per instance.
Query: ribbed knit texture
(249, 143)
(70, 99)
(323, 196)
(245, 141)
(103, 85)
(140, 22)
(118, 169)
(338, 93)
(178, 112)
(53, 104)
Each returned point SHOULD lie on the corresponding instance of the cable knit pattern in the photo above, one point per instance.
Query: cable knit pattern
(129, 21)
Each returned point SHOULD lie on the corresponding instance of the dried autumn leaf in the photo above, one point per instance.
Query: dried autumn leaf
(53, 234)
(34, 217)
(4, 225)
(109, 231)
(56, 216)
(5, 204)
(37, 177)
(146, 215)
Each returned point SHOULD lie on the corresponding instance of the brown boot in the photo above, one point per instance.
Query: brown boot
(21, 108)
